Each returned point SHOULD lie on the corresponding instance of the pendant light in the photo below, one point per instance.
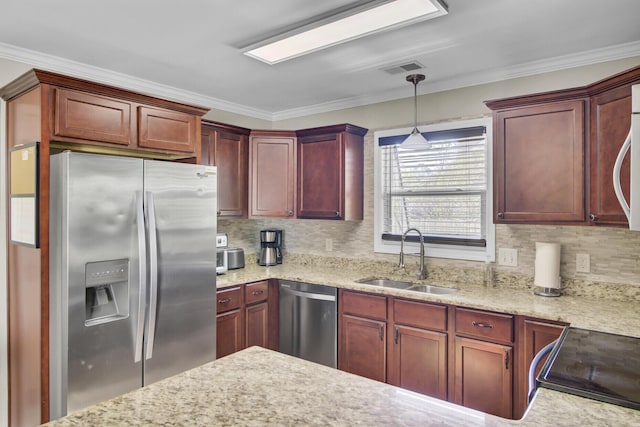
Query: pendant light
(415, 139)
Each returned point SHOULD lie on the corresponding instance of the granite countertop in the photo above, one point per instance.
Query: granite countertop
(258, 387)
(605, 309)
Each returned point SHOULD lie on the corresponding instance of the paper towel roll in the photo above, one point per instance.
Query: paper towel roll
(547, 265)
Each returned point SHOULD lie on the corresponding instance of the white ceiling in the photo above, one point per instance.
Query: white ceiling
(190, 49)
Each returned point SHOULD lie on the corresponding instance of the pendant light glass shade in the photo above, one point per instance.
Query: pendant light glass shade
(415, 139)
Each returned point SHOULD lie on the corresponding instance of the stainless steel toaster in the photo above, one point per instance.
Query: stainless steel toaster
(235, 258)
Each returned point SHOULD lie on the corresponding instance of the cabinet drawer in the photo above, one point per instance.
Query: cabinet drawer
(229, 299)
(90, 117)
(364, 305)
(484, 325)
(420, 315)
(256, 292)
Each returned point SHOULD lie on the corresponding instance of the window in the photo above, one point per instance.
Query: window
(443, 190)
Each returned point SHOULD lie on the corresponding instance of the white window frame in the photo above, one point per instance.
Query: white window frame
(469, 253)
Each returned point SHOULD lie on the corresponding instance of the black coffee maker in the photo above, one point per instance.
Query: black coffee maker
(270, 247)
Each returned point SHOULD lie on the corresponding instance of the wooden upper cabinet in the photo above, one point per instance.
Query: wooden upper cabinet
(167, 130)
(90, 117)
(272, 174)
(330, 172)
(610, 116)
(554, 153)
(92, 114)
(539, 158)
(227, 147)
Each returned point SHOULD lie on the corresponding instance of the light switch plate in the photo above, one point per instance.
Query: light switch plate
(583, 263)
(508, 257)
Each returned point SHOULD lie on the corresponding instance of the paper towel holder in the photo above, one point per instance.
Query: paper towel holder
(547, 278)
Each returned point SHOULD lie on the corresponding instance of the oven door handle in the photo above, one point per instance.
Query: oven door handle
(534, 364)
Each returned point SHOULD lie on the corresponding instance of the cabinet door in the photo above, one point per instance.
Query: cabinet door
(483, 376)
(272, 185)
(167, 130)
(88, 117)
(257, 322)
(207, 148)
(362, 347)
(232, 160)
(418, 361)
(539, 157)
(610, 122)
(229, 333)
(534, 335)
(321, 177)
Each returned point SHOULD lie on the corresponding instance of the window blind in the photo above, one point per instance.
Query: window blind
(440, 190)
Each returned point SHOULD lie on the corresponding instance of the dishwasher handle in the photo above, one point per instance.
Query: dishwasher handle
(308, 295)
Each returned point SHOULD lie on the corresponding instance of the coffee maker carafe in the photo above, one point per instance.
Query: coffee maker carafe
(270, 247)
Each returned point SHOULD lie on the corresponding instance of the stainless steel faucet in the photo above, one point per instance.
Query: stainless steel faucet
(422, 272)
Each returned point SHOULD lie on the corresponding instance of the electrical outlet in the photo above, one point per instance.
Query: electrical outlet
(583, 263)
(508, 257)
(328, 245)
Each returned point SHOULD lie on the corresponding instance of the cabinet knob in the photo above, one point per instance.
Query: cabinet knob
(337, 213)
(290, 213)
(593, 217)
(218, 213)
(500, 215)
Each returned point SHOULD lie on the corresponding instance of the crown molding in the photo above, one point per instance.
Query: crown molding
(100, 75)
(595, 56)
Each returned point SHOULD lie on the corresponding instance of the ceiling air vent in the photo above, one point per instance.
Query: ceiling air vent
(403, 68)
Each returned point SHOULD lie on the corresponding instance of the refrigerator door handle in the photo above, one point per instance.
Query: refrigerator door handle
(142, 276)
(153, 282)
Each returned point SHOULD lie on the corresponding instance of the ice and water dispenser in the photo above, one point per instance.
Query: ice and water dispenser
(106, 291)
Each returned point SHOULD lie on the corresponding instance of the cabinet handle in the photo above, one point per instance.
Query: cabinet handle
(256, 293)
(506, 360)
(381, 332)
(482, 325)
(224, 301)
(395, 336)
(218, 213)
(593, 217)
(500, 215)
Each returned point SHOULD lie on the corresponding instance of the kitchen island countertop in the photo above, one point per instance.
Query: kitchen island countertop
(258, 387)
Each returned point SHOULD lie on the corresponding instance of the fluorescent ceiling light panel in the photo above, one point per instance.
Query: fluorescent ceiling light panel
(340, 28)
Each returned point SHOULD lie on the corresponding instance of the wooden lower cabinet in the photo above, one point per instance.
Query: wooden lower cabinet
(362, 347)
(533, 336)
(257, 325)
(418, 361)
(229, 333)
(418, 347)
(484, 376)
(243, 318)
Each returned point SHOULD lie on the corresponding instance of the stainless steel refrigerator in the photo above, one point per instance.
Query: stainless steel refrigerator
(132, 274)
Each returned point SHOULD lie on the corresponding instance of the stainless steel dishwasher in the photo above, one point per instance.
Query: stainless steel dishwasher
(309, 322)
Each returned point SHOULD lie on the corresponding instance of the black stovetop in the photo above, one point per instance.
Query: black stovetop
(596, 365)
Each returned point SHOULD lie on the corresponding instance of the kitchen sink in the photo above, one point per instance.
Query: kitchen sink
(430, 289)
(386, 283)
(409, 286)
